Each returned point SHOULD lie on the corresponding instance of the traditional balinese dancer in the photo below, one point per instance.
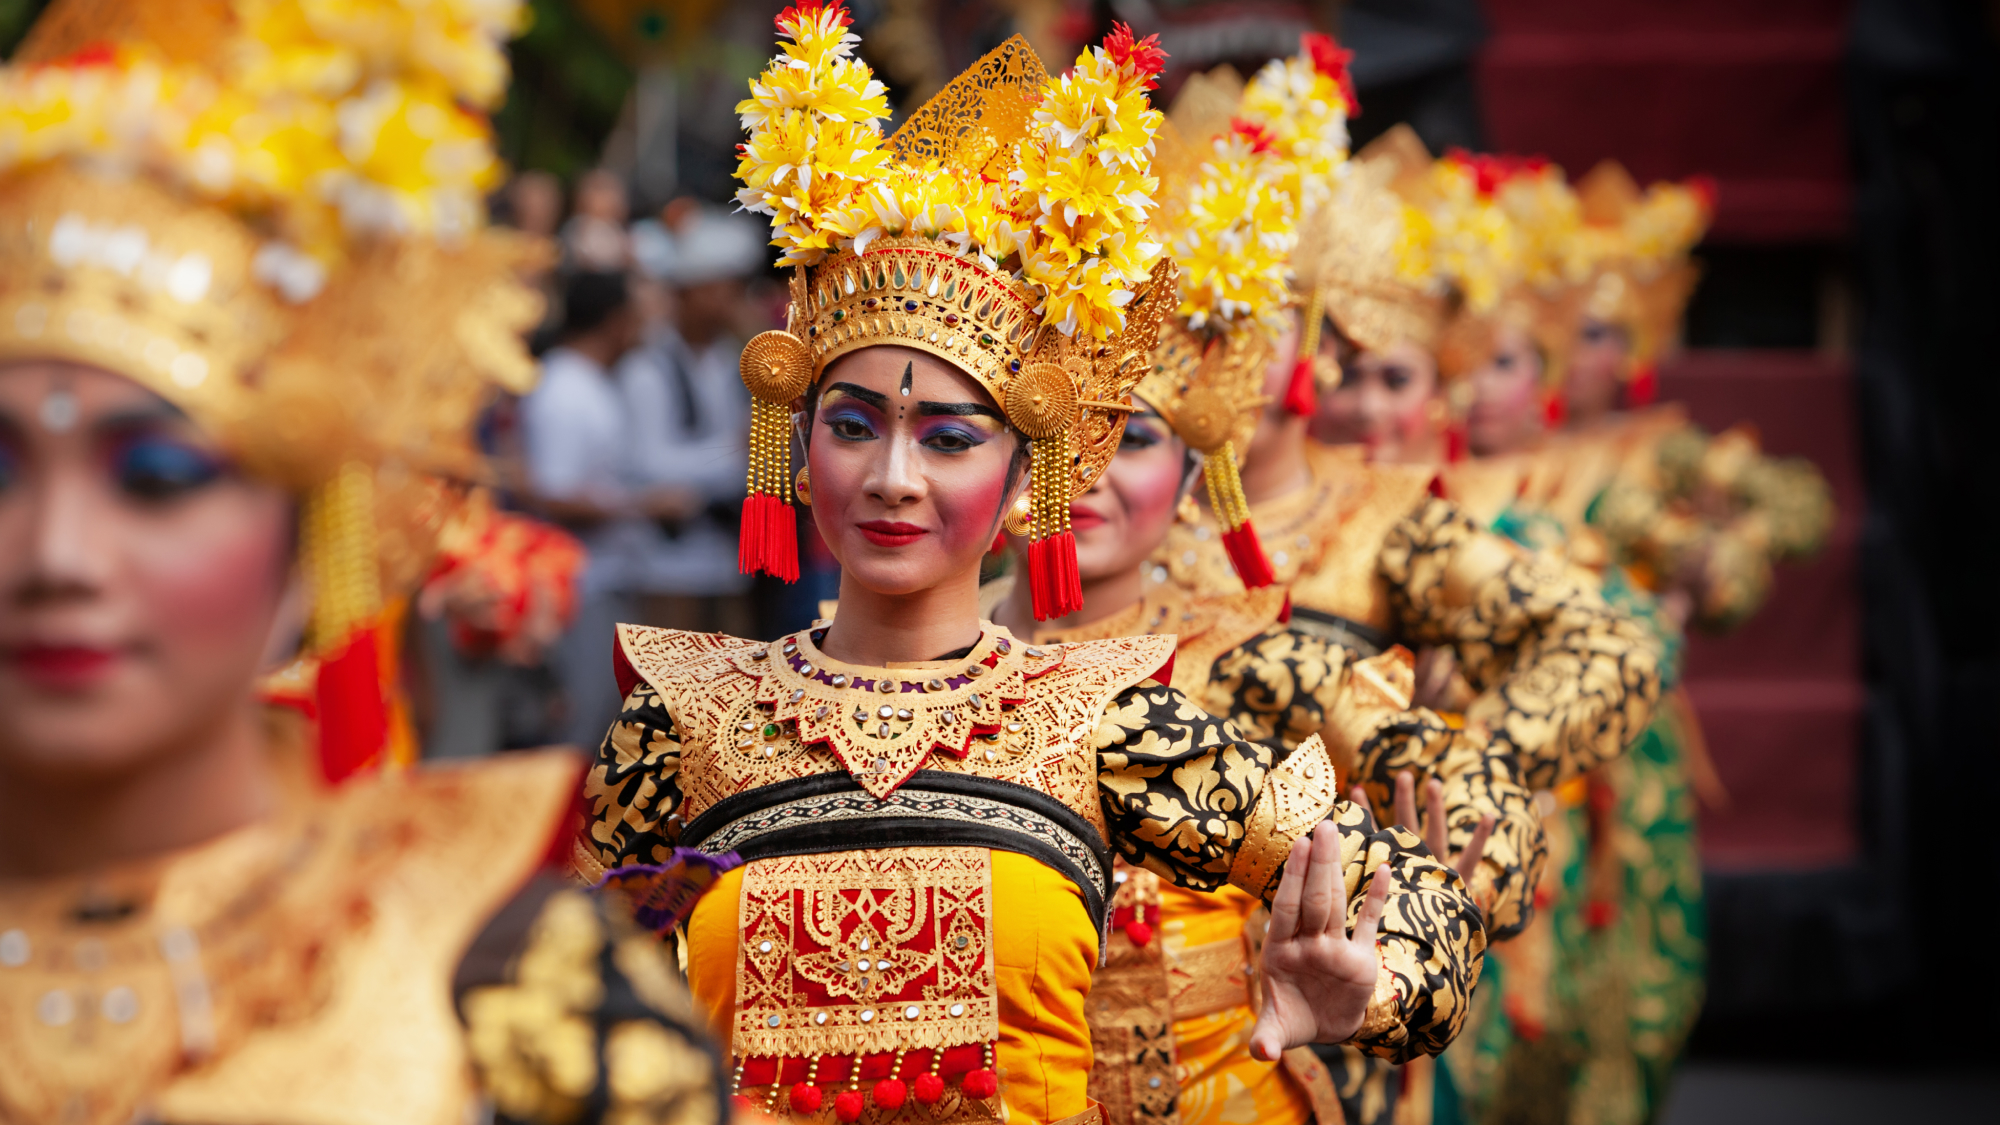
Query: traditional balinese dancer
(248, 312)
(910, 814)
(1373, 557)
(1178, 992)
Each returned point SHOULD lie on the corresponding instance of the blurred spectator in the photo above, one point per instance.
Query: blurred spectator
(690, 412)
(534, 202)
(594, 238)
(580, 446)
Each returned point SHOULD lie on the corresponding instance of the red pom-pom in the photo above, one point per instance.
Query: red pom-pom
(807, 1099)
(981, 1083)
(1644, 387)
(1302, 393)
(847, 1107)
(928, 1088)
(890, 1093)
(1140, 933)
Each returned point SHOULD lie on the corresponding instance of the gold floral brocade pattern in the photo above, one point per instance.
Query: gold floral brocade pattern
(865, 951)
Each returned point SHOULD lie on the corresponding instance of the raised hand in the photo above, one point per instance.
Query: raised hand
(1317, 978)
(1433, 830)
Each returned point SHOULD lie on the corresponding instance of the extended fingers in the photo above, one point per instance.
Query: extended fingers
(1404, 804)
(1434, 826)
(1372, 907)
(1320, 906)
(1475, 848)
(1291, 889)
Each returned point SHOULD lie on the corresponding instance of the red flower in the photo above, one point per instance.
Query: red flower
(1253, 131)
(1703, 188)
(95, 54)
(809, 11)
(1329, 59)
(1143, 56)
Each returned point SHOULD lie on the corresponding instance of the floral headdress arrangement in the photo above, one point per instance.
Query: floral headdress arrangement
(1368, 258)
(270, 213)
(1635, 248)
(1305, 101)
(1232, 227)
(1003, 228)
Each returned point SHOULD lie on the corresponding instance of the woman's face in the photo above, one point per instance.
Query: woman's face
(1388, 401)
(1128, 511)
(913, 467)
(1506, 414)
(1596, 369)
(140, 575)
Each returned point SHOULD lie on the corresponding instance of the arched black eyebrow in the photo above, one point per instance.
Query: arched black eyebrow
(958, 409)
(873, 398)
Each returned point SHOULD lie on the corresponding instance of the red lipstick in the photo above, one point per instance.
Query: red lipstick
(891, 533)
(62, 667)
(1083, 519)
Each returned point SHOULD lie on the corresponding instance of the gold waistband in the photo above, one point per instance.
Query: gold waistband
(1209, 978)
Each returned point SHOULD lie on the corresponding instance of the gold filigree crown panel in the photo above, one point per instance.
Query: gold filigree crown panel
(124, 275)
(920, 294)
(1208, 388)
(972, 124)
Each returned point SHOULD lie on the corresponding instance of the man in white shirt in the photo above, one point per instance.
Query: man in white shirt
(581, 442)
(690, 418)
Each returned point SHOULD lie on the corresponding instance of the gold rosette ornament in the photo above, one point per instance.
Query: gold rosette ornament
(269, 213)
(1002, 229)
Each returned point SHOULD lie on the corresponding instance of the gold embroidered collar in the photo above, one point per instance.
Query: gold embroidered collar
(883, 724)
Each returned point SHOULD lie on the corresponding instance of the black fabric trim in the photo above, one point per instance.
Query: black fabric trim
(1343, 631)
(834, 813)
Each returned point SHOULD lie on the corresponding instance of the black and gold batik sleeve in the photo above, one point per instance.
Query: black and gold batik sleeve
(632, 791)
(1285, 685)
(1566, 681)
(1187, 797)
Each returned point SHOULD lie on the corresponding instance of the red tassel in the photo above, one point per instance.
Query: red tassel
(1436, 487)
(1052, 576)
(1302, 393)
(1284, 612)
(847, 1106)
(806, 1099)
(1555, 411)
(1456, 445)
(353, 718)
(890, 1093)
(928, 1088)
(1644, 387)
(1246, 554)
(769, 540)
(981, 1083)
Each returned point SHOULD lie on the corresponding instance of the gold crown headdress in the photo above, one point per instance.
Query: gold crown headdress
(1231, 225)
(1305, 101)
(1503, 227)
(268, 212)
(1365, 258)
(1635, 249)
(1002, 228)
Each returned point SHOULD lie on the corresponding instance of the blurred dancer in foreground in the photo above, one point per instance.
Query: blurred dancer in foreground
(227, 409)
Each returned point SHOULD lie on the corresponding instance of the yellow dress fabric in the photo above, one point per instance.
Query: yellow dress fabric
(1221, 1083)
(1044, 949)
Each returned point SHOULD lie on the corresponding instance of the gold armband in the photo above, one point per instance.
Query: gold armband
(1297, 796)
